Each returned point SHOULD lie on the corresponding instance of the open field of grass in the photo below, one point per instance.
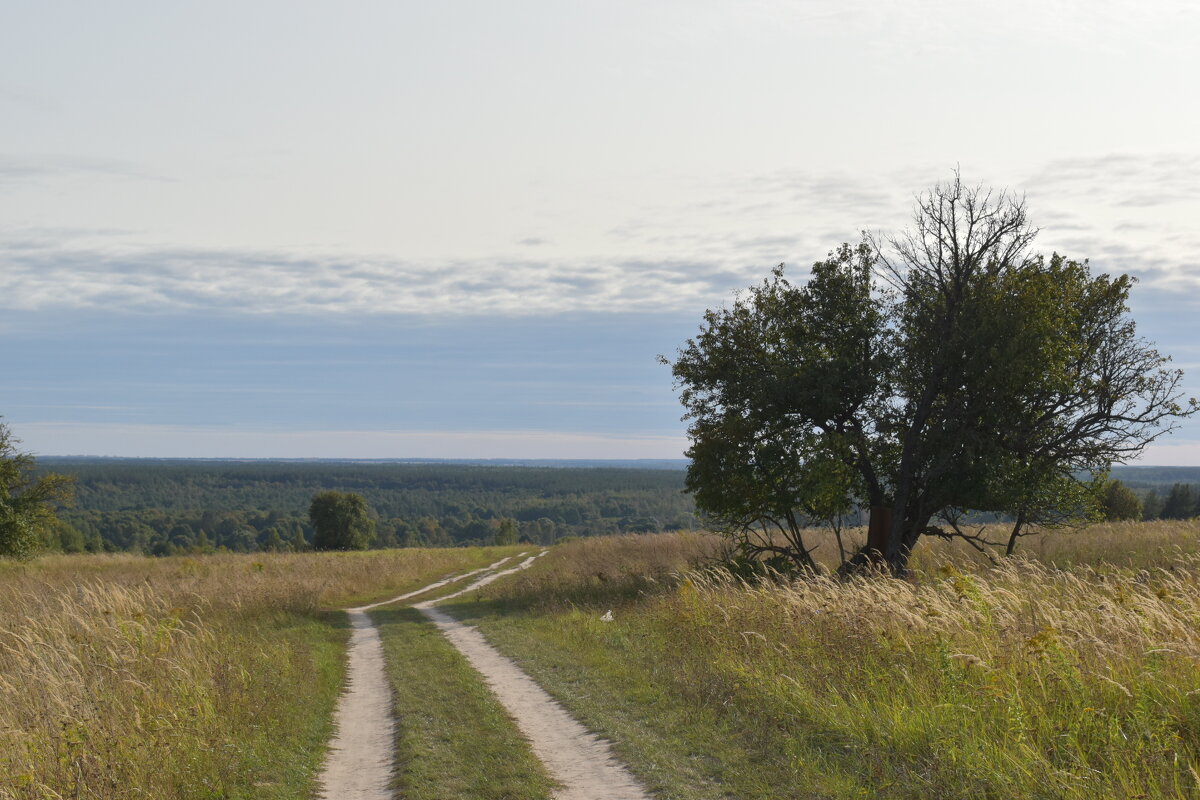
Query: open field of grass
(1073, 672)
(207, 677)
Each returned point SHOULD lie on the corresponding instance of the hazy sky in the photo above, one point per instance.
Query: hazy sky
(465, 229)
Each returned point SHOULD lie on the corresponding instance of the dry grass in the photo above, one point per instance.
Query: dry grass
(1131, 544)
(1031, 679)
(605, 569)
(201, 677)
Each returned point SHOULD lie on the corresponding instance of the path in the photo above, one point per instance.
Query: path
(359, 765)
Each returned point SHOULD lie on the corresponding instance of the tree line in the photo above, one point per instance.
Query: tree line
(178, 506)
(1181, 501)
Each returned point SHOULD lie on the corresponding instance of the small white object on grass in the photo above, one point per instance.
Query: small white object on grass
(607, 616)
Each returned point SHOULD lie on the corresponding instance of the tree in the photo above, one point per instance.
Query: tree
(1180, 503)
(1152, 506)
(1120, 502)
(507, 532)
(299, 543)
(922, 377)
(27, 504)
(341, 521)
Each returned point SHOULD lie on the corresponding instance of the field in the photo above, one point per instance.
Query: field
(1070, 672)
(1026, 680)
(202, 677)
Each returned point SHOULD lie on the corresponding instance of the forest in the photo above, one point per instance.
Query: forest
(168, 507)
(174, 506)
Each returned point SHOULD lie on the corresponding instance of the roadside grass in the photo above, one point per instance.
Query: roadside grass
(453, 738)
(190, 677)
(1031, 679)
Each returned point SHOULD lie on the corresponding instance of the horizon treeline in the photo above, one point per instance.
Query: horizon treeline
(174, 507)
(1181, 501)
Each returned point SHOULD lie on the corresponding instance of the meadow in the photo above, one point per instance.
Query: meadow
(190, 677)
(1072, 671)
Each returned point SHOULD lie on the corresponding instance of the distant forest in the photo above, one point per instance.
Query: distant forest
(166, 507)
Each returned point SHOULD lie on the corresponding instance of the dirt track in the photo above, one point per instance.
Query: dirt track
(360, 761)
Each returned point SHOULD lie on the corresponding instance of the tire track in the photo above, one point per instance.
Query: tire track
(360, 761)
(361, 755)
(580, 761)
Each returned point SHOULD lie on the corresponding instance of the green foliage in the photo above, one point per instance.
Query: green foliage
(508, 532)
(167, 507)
(945, 372)
(1120, 502)
(341, 520)
(1180, 503)
(27, 503)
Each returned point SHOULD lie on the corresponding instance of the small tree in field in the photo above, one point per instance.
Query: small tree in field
(922, 377)
(27, 504)
(1120, 503)
(341, 521)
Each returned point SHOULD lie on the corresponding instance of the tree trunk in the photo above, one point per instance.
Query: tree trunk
(879, 531)
(1016, 532)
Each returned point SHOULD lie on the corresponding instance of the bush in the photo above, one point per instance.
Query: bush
(341, 520)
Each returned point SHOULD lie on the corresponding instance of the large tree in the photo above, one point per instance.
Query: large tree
(943, 371)
(27, 501)
(341, 521)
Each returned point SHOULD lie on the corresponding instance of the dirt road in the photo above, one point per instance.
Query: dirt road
(359, 764)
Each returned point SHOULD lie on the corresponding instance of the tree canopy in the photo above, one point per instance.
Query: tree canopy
(27, 503)
(341, 521)
(925, 376)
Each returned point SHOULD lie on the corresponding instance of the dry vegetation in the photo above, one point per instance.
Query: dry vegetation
(1073, 672)
(205, 677)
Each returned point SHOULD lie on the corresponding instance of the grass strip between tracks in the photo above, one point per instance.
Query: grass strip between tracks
(453, 739)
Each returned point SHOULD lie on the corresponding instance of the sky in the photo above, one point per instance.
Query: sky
(466, 229)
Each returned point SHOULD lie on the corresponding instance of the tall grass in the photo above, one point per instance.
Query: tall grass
(1029, 679)
(183, 677)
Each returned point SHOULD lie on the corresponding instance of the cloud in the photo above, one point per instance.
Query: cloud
(38, 276)
(1137, 181)
(50, 166)
(1127, 213)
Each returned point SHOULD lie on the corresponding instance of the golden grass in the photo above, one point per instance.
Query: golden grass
(1134, 544)
(1030, 679)
(200, 677)
(606, 569)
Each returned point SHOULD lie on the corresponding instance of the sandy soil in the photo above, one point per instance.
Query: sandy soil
(360, 761)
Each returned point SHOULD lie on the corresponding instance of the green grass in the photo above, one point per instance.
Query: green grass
(283, 742)
(454, 739)
(969, 682)
(196, 677)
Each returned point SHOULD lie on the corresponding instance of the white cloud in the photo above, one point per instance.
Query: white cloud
(42, 278)
(1127, 213)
